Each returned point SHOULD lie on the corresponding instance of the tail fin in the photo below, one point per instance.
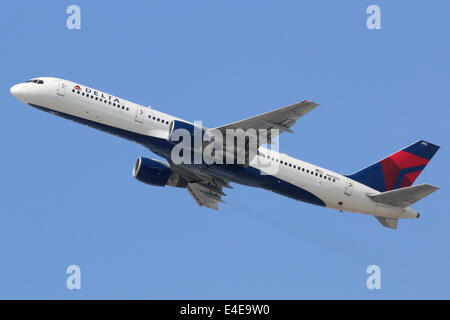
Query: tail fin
(399, 169)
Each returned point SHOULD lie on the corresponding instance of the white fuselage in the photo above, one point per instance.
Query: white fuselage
(61, 96)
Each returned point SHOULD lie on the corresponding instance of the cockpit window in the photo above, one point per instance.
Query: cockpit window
(36, 81)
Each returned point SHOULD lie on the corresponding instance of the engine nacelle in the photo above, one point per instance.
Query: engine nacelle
(156, 173)
(187, 127)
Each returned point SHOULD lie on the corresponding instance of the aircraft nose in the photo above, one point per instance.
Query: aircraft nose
(18, 91)
(15, 89)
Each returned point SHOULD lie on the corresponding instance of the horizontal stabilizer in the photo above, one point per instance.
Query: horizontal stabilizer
(404, 197)
(388, 222)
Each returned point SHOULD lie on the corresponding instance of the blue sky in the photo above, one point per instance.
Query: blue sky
(68, 195)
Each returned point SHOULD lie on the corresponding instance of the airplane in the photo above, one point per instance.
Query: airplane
(383, 189)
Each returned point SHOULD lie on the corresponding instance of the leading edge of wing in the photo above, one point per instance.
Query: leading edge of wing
(291, 112)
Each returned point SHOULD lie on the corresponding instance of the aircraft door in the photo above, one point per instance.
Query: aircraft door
(61, 88)
(140, 114)
(348, 187)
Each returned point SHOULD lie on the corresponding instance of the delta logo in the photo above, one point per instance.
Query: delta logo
(96, 93)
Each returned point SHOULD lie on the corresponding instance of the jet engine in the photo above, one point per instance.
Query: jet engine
(156, 173)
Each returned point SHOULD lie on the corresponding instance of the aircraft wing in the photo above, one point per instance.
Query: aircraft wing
(205, 195)
(206, 189)
(281, 119)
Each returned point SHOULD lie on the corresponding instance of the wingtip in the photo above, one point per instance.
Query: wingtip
(309, 101)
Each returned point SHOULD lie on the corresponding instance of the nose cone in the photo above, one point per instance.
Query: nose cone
(19, 91)
(15, 90)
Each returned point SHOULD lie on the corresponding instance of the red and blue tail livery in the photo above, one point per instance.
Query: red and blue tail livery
(399, 169)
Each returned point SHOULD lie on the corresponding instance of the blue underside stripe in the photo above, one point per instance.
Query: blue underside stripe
(245, 175)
